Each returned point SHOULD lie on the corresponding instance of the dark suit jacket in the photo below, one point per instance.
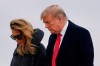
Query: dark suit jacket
(76, 48)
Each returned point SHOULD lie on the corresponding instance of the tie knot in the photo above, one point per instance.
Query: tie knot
(59, 35)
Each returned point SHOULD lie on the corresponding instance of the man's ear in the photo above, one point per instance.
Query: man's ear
(60, 18)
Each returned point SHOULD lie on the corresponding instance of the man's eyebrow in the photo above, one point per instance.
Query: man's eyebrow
(45, 21)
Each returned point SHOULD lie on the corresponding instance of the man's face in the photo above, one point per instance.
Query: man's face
(52, 24)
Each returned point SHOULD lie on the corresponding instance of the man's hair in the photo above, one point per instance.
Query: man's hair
(54, 10)
(27, 31)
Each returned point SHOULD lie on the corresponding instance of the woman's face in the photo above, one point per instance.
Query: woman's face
(18, 36)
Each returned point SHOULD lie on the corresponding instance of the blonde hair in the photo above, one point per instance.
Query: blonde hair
(27, 31)
(54, 10)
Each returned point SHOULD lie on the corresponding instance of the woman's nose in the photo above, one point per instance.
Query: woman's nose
(16, 40)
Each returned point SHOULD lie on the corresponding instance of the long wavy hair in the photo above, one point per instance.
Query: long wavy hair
(27, 31)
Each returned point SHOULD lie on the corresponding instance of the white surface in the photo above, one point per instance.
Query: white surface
(85, 13)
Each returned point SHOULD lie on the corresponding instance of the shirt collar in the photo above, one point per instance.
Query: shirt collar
(64, 28)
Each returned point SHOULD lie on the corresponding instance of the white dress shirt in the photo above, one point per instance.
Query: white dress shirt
(63, 31)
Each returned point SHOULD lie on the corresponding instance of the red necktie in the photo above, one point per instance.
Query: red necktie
(56, 49)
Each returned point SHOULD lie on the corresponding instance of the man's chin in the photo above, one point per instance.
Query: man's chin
(52, 32)
(18, 43)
